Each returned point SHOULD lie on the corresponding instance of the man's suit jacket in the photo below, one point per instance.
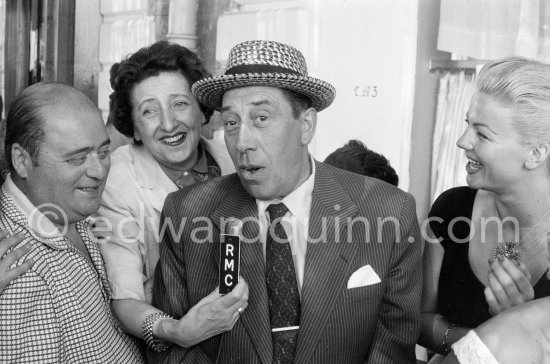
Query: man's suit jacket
(354, 221)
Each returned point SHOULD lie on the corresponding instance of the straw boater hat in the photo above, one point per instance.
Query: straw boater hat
(264, 63)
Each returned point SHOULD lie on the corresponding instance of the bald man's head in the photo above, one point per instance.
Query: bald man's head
(25, 119)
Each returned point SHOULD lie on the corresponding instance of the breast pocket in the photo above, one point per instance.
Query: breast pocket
(371, 292)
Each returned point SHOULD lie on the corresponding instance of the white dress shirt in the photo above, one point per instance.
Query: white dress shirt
(295, 222)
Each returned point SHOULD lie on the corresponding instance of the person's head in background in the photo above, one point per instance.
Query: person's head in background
(57, 150)
(153, 104)
(357, 158)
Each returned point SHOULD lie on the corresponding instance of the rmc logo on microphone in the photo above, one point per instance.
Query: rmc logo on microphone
(230, 249)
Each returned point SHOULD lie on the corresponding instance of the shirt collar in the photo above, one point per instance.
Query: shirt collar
(202, 164)
(298, 201)
(37, 221)
(148, 170)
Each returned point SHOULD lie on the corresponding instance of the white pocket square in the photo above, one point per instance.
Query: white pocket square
(364, 276)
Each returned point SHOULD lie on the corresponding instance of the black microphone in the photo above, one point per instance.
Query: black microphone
(230, 250)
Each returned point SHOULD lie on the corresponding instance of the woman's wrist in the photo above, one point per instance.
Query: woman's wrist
(445, 342)
(444, 334)
(150, 328)
(455, 333)
(172, 330)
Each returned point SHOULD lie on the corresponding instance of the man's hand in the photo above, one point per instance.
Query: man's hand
(212, 315)
(6, 260)
(509, 285)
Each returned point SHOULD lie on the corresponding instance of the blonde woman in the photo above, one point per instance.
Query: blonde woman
(486, 250)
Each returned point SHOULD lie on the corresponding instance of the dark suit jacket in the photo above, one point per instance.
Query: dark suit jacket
(378, 323)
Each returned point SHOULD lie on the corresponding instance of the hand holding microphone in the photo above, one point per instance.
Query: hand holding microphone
(219, 311)
(212, 315)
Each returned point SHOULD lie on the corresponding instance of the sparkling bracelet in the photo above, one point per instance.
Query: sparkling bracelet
(445, 345)
(147, 328)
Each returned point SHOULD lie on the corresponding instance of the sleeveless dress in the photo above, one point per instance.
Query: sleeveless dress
(460, 294)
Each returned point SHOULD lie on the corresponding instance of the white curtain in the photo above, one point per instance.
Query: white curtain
(448, 161)
(491, 29)
(482, 29)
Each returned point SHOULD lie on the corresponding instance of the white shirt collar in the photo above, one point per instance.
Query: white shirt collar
(298, 201)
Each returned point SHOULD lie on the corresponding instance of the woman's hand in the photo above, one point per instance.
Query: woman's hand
(509, 285)
(6, 260)
(212, 315)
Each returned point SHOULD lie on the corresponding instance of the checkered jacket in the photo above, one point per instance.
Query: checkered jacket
(59, 311)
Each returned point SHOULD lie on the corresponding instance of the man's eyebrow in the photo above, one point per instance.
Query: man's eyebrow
(253, 103)
(106, 142)
(261, 102)
(86, 149)
(78, 151)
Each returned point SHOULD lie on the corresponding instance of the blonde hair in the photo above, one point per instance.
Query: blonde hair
(524, 85)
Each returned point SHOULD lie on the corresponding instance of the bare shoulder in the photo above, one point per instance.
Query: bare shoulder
(519, 335)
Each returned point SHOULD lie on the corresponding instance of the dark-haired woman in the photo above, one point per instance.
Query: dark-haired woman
(153, 104)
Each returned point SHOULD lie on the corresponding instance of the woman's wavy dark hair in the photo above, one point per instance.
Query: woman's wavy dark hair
(150, 61)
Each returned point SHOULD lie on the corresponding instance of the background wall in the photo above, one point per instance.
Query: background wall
(377, 57)
(86, 51)
(425, 97)
(365, 48)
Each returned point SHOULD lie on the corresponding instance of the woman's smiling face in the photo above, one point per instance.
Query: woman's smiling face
(496, 156)
(167, 119)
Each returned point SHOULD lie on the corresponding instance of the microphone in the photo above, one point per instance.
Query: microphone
(230, 250)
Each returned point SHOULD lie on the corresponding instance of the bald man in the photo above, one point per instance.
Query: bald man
(57, 150)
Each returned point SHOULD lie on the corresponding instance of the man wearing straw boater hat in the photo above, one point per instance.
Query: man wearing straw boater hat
(332, 259)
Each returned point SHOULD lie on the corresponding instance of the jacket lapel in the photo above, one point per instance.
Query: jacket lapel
(156, 184)
(327, 258)
(239, 204)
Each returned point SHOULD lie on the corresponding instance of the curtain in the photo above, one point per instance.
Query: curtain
(491, 29)
(448, 161)
(482, 29)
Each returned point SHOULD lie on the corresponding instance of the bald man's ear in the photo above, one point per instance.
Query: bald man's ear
(21, 160)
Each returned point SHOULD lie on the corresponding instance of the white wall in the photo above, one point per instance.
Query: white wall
(365, 48)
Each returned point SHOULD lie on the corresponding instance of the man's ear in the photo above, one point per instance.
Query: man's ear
(537, 156)
(309, 124)
(21, 160)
